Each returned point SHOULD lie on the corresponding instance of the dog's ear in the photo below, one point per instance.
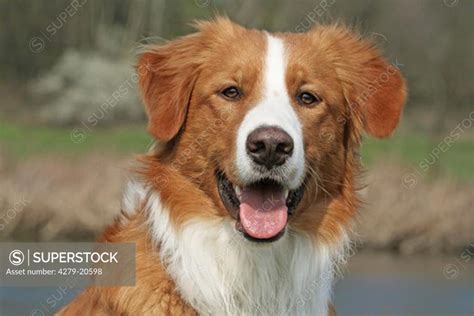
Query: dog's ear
(167, 74)
(374, 89)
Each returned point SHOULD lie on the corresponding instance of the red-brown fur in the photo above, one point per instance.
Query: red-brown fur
(179, 81)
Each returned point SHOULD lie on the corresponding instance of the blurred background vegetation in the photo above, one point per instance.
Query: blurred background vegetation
(69, 93)
(432, 39)
(71, 121)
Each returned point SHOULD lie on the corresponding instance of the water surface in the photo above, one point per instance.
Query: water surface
(374, 284)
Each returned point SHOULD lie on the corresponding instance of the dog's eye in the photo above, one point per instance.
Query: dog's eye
(231, 93)
(308, 99)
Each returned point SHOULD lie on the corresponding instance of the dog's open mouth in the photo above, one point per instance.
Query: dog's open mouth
(261, 209)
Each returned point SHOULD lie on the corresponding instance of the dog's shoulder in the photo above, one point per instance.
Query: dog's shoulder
(154, 292)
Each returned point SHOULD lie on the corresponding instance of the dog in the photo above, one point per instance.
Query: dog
(245, 204)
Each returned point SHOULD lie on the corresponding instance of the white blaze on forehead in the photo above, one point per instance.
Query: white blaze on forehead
(275, 65)
(274, 109)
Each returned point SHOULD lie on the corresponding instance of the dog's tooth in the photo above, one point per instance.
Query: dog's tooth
(286, 193)
(237, 191)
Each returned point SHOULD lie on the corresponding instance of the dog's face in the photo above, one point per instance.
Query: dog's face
(266, 125)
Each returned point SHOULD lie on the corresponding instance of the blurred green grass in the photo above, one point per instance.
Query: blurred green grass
(21, 141)
(414, 149)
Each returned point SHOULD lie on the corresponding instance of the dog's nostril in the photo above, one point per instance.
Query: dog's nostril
(254, 147)
(285, 148)
(269, 146)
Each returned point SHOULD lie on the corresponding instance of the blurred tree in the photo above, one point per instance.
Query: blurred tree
(433, 39)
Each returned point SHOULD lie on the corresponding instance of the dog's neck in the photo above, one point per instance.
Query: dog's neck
(219, 272)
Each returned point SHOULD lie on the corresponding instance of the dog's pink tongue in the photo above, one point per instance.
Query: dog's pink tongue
(263, 211)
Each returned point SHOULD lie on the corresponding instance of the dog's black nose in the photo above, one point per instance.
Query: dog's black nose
(269, 146)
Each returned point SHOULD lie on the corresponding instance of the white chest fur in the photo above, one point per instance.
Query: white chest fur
(220, 273)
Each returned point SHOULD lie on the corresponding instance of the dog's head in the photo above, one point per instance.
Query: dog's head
(268, 125)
